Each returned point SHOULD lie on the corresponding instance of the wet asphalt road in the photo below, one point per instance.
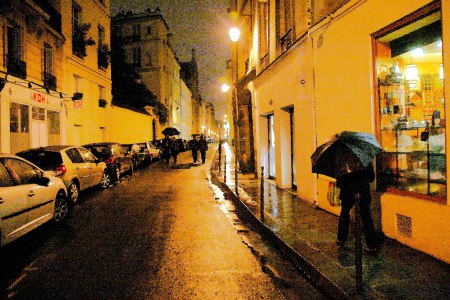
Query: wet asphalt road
(159, 234)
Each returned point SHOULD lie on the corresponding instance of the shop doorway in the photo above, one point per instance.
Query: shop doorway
(271, 146)
(292, 140)
(39, 137)
(19, 127)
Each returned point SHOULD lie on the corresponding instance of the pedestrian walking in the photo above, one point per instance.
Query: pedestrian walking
(174, 149)
(166, 143)
(355, 186)
(203, 146)
(194, 148)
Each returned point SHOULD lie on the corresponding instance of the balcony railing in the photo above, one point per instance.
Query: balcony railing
(264, 61)
(287, 40)
(17, 67)
(49, 81)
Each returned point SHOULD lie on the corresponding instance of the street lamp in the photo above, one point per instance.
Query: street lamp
(234, 36)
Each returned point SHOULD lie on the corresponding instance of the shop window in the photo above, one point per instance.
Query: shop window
(38, 113)
(411, 103)
(19, 121)
(53, 122)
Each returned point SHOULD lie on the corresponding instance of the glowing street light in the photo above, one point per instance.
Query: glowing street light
(225, 87)
(235, 33)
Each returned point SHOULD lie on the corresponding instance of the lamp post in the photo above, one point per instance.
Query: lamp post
(234, 36)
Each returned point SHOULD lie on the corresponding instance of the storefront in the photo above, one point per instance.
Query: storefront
(410, 102)
(411, 123)
(30, 117)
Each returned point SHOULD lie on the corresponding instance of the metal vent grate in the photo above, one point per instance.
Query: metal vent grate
(404, 225)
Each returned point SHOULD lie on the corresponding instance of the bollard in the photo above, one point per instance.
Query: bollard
(220, 154)
(358, 245)
(261, 196)
(225, 168)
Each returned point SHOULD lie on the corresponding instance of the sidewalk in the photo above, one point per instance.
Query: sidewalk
(306, 235)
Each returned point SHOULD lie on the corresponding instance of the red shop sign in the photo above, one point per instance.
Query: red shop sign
(39, 97)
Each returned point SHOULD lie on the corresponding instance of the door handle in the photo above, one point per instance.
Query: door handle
(31, 194)
(1, 200)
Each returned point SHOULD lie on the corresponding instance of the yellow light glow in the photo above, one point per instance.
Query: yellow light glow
(225, 87)
(235, 33)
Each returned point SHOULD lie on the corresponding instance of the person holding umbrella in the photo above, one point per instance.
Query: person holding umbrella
(355, 186)
(348, 157)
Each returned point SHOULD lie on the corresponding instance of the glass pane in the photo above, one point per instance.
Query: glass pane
(411, 106)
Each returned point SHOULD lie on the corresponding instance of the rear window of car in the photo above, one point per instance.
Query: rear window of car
(46, 160)
(99, 151)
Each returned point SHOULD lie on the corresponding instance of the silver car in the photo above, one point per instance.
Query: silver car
(76, 166)
(28, 198)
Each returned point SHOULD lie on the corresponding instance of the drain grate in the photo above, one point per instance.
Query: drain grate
(404, 225)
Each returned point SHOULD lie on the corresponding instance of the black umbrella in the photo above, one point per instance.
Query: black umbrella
(196, 134)
(344, 153)
(170, 131)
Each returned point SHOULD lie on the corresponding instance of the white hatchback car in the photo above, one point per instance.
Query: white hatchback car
(76, 166)
(28, 199)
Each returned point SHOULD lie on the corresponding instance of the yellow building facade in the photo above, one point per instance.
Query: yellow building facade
(32, 108)
(148, 48)
(84, 22)
(322, 69)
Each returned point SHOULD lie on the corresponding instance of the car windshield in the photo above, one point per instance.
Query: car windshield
(99, 151)
(46, 160)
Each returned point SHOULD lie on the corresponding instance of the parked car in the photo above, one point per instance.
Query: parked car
(116, 157)
(78, 168)
(28, 198)
(146, 154)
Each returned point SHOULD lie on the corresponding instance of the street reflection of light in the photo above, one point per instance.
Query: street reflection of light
(228, 152)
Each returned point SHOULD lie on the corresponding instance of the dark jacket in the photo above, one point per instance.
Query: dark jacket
(356, 182)
(203, 144)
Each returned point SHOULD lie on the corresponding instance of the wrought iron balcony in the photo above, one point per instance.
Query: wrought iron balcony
(287, 40)
(49, 81)
(16, 67)
(264, 60)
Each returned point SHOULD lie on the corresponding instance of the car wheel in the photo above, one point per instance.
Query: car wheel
(150, 159)
(61, 207)
(74, 192)
(105, 181)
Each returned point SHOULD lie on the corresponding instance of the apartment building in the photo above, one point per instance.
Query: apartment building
(148, 48)
(32, 98)
(86, 69)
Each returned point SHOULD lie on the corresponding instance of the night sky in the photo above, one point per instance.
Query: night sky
(199, 24)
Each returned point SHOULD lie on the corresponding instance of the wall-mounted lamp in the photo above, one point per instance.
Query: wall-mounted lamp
(411, 75)
(77, 96)
(235, 33)
(225, 87)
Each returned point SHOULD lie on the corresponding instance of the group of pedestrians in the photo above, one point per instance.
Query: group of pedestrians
(171, 148)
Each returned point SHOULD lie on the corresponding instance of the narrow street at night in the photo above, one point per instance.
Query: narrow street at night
(160, 234)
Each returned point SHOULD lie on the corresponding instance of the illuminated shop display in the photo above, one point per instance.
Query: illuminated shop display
(411, 118)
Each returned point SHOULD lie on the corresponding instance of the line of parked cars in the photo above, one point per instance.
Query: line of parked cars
(38, 185)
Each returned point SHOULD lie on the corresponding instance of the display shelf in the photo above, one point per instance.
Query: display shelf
(413, 141)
